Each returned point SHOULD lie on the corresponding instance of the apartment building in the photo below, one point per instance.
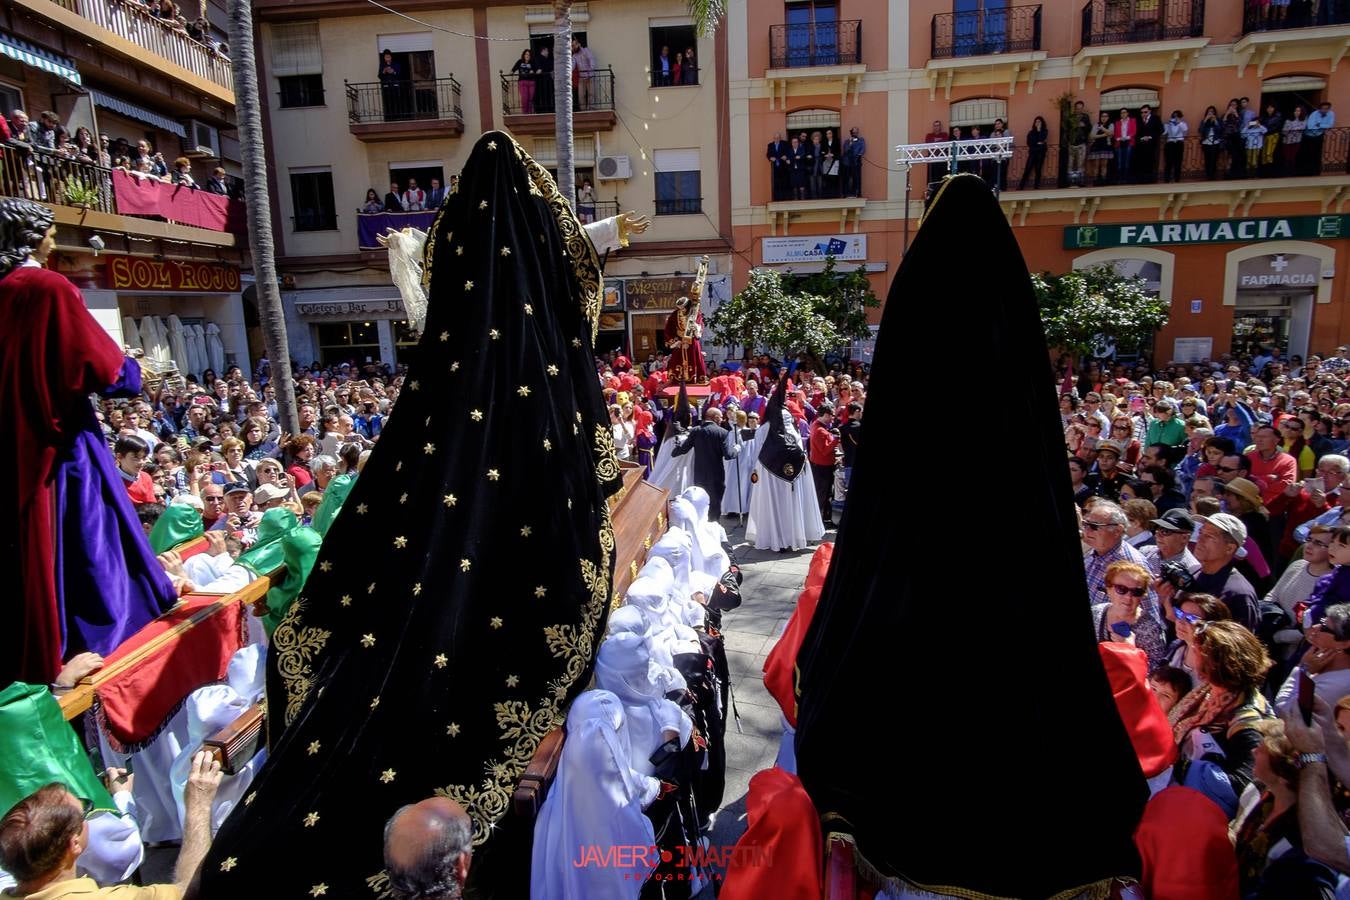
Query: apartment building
(359, 99)
(134, 247)
(1246, 255)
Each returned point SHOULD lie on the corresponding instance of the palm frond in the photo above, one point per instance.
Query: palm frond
(706, 14)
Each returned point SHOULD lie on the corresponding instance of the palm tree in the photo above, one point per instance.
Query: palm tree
(260, 246)
(705, 14)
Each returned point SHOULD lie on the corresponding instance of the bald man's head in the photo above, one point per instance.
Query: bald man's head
(427, 847)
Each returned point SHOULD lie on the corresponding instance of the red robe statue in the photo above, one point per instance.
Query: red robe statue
(686, 347)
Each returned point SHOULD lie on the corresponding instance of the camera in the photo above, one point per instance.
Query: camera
(1177, 575)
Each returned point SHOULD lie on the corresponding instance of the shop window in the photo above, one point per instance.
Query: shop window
(11, 98)
(312, 200)
(678, 183)
(301, 90)
(671, 45)
(343, 341)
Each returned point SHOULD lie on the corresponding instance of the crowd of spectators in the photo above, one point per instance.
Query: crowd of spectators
(818, 166)
(1214, 532)
(171, 15)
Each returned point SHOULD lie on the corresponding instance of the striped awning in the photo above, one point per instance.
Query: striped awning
(139, 113)
(29, 55)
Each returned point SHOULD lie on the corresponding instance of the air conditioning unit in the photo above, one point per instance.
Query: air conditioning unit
(201, 140)
(614, 168)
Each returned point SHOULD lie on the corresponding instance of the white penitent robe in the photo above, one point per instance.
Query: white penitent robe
(736, 497)
(783, 515)
(674, 473)
(596, 804)
(156, 808)
(625, 667)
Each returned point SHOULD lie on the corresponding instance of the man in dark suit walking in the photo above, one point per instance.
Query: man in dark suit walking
(713, 445)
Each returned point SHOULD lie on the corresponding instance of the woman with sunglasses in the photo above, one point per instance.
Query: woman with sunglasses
(1327, 660)
(1122, 617)
(1185, 612)
(1122, 432)
(1227, 705)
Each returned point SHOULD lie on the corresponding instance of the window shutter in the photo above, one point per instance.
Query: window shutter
(676, 160)
(296, 49)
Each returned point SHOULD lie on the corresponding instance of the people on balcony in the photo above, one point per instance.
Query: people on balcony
(832, 163)
(1146, 145)
(1232, 140)
(1292, 136)
(798, 164)
(393, 201)
(414, 198)
(218, 185)
(1174, 145)
(780, 165)
(854, 149)
(676, 67)
(1037, 139)
(436, 195)
(1318, 124)
(394, 87)
(583, 73)
(524, 71)
(1273, 121)
(586, 202)
(662, 70)
(1254, 140)
(1211, 141)
(1102, 148)
(543, 80)
(182, 173)
(998, 168)
(689, 74)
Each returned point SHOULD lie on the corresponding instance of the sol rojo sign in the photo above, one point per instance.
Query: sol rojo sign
(127, 273)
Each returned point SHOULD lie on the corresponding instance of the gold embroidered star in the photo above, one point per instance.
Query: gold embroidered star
(387, 775)
(523, 390)
(482, 204)
(429, 448)
(529, 310)
(400, 542)
(367, 640)
(493, 475)
(414, 385)
(403, 498)
(441, 661)
(325, 566)
(445, 335)
(468, 285)
(398, 467)
(576, 342)
(505, 251)
(346, 599)
(548, 445)
(311, 820)
(371, 588)
(228, 864)
(452, 729)
(512, 681)
(249, 798)
(427, 422)
(476, 415)
(361, 509)
(495, 621)
(374, 703)
(526, 531)
(552, 370)
(318, 890)
(417, 589)
(540, 591)
(492, 145)
(313, 748)
(464, 565)
(450, 500)
(454, 366)
(494, 334)
(459, 251)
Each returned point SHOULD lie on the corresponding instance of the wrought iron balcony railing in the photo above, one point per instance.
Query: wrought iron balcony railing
(1262, 15)
(524, 95)
(819, 44)
(373, 102)
(982, 32)
(1107, 22)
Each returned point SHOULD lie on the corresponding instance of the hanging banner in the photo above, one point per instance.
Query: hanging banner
(844, 248)
(128, 273)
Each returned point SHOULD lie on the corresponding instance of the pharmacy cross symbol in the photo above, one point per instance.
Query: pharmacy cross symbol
(1279, 263)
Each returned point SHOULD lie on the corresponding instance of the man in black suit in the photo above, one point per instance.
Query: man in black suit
(435, 196)
(713, 443)
(1146, 145)
(779, 156)
(217, 183)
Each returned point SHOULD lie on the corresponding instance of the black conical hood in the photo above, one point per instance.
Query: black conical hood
(422, 657)
(925, 726)
(679, 415)
(781, 454)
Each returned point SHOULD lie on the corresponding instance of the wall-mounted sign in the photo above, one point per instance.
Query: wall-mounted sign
(613, 298)
(128, 273)
(1279, 270)
(1208, 231)
(656, 293)
(846, 248)
(1197, 305)
(354, 309)
(1192, 350)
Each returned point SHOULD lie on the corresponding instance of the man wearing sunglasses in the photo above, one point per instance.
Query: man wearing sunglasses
(1304, 503)
(1104, 531)
(1230, 467)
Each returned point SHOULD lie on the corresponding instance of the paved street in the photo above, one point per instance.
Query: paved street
(771, 584)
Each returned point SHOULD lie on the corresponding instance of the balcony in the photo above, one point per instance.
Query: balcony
(128, 29)
(829, 52)
(1160, 34)
(404, 110)
(837, 211)
(1000, 44)
(683, 206)
(91, 196)
(600, 210)
(1300, 30)
(1109, 22)
(527, 102)
(986, 31)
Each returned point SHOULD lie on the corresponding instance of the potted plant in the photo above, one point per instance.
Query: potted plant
(80, 195)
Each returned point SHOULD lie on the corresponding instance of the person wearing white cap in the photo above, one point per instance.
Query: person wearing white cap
(1221, 535)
